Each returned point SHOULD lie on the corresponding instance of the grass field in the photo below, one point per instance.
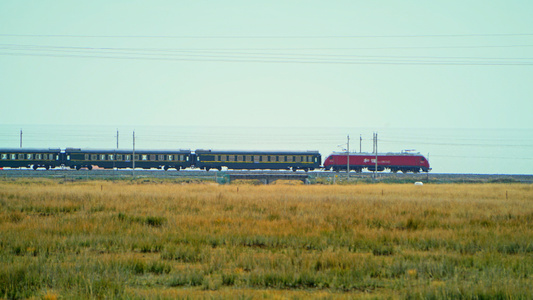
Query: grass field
(161, 240)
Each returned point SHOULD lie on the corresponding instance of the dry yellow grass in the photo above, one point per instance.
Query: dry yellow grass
(121, 239)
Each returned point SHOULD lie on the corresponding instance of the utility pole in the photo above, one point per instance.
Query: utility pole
(373, 142)
(348, 158)
(117, 138)
(376, 166)
(21, 138)
(374, 150)
(427, 173)
(360, 143)
(133, 156)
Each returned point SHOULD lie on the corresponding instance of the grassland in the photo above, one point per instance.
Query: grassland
(162, 240)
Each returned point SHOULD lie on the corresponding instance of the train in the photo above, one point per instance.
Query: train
(77, 158)
(404, 162)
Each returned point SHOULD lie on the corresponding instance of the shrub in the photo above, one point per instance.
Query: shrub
(190, 278)
(228, 279)
(155, 221)
(383, 250)
(20, 281)
(158, 268)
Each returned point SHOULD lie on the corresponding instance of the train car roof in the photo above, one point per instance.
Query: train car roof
(122, 151)
(379, 154)
(255, 152)
(21, 150)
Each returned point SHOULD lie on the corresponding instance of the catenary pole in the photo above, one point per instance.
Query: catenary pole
(376, 167)
(374, 151)
(20, 138)
(133, 158)
(348, 158)
(373, 142)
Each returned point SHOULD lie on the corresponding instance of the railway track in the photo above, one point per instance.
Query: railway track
(69, 174)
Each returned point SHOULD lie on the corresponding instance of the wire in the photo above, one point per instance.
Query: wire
(483, 157)
(461, 144)
(269, 55)
(267, 37)
(262, 57)
(284, 60)
(170, 52)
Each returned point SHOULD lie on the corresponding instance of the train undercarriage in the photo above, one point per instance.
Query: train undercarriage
(359, 169)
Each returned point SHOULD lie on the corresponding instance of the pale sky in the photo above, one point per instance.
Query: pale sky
(389, 64)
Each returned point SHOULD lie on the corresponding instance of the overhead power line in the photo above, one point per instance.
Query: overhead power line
(483, 157)
(300, 55)
(267, 36)
(294, 48)
(262, 57)
(221, 52)
(205, 59)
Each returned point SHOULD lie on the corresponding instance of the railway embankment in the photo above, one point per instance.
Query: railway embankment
(324, 177)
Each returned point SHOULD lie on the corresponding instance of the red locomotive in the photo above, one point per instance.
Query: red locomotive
(405, 162)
